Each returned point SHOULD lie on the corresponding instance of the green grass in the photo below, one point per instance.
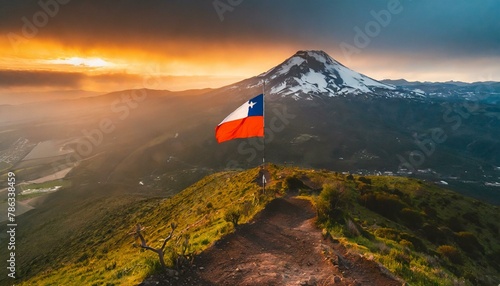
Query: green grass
(397, 216)
(399, 222)
(105, 252)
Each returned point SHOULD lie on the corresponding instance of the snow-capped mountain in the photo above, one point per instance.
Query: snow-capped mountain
(316, 73)
(308, 74)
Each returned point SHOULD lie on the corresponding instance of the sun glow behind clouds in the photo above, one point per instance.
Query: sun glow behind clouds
(82, 62)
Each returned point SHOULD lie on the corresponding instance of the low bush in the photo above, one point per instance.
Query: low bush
(385, 204)
(451, 253)
(433, 234)
(330, 202)
(388, 233)
(468, 242)
(405, 243)
(455, 224)
(293, 183)
(418, 244)
(233, 216)
(365, 180)
(411, 218)
(473, 217)
(400, 256)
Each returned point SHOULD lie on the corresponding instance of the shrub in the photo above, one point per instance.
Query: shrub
(153, 265)
(387, 233)
(468, 242)
(405, 243)
(451, 253)
(473, 217)
(399, 256)
(397, 192)
(294, 183)
(412, 219)
(233, 216)
(363, 187)
(365, 180)
(433, 233)
(417, 242)
(455, 224)
(83, 257)
(429, 211)
(330, 202)
(384, 204)
(334, 196)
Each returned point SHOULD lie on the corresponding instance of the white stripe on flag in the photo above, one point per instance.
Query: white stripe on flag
(240, 113)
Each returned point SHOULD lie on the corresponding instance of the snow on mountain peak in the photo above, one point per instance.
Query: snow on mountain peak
(316, 73)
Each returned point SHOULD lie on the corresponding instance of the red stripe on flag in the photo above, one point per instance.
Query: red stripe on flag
(252, 126)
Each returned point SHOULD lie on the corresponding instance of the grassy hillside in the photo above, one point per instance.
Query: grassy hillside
(99, 250)
(423, 233)
(419, 231)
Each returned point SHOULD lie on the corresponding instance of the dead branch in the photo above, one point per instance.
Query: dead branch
(160, 251)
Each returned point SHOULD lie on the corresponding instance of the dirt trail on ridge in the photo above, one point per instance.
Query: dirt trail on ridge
(281, 246)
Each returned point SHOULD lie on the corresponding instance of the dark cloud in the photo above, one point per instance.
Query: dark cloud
(15, 78)
(158, 23)
(18, 78)
(451, 29)
(69, 80)
(458, 26)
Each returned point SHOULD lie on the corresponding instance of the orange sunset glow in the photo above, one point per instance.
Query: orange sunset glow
(100, 47)
(207, 67)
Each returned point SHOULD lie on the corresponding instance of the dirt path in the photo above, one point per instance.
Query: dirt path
(281, 247)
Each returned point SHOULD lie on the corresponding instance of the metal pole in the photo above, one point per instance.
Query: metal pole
(264, 123)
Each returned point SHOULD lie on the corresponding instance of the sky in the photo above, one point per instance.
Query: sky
(105, 45)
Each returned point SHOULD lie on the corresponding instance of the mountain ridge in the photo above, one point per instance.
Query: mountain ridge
(352, 212)
(313, 73)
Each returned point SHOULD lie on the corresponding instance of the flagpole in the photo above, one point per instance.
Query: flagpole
(264, 139)
(264, 123)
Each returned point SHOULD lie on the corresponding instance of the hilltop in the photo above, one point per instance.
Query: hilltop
(281, 246)
(411, 230)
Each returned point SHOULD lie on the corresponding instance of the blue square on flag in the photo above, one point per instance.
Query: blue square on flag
(256, 106)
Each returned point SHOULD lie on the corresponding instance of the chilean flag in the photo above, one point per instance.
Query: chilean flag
(246, 121)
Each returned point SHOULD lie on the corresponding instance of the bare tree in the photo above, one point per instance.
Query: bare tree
(160, 251)
(233, 215)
